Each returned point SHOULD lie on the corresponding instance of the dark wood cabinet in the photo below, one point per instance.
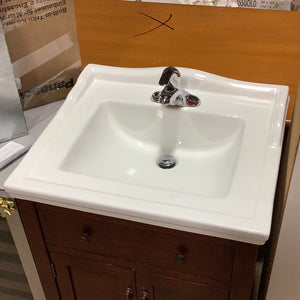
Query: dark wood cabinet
(86, 256)
(83, 279)
(160, 287)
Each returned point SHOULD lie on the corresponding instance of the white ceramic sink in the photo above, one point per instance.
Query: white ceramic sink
(100, 153)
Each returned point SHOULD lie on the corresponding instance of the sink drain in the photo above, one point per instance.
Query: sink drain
(166, 161)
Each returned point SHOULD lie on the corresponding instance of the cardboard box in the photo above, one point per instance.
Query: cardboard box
(42, 41)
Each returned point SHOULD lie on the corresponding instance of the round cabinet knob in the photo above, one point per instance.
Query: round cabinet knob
(84, 238)
(145, 295)
(180, 258)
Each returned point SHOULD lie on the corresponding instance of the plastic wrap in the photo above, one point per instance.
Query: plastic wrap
(12, 122)
(262, 4)
(228, 3)
(296, 5)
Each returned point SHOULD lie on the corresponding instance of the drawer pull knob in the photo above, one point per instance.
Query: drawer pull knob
(84, 238)
(128, 293)
(145, 295)
(180, 258)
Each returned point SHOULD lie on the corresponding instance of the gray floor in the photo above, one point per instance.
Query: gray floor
(13, 283)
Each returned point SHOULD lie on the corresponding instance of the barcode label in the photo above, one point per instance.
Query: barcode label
(247, 3)
(265, 4)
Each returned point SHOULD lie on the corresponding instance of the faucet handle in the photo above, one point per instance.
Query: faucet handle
(166, 75)
(173, 94)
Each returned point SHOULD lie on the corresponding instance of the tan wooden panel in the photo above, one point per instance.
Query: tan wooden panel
(245, 44)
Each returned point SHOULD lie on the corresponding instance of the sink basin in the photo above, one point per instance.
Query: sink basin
(100, 153)
(205, 147)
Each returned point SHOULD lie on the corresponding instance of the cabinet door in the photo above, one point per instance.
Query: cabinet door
(157, 287)
(84, 279)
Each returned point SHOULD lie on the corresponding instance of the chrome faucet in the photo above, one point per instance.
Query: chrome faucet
(173, 94)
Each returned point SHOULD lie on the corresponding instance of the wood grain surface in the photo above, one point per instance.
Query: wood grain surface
(245, 44)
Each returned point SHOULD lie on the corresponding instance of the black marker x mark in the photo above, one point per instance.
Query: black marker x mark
(161, 24)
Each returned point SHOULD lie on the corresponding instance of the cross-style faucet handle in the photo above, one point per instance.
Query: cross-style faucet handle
(173, 94)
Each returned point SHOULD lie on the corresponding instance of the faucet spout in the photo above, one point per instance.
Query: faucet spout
(173, 94)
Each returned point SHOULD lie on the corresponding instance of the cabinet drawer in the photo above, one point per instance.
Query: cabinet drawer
(160, 247)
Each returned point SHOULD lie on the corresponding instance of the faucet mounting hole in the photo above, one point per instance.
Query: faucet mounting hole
(167, 161)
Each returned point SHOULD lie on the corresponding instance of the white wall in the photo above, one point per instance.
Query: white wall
(285, 276)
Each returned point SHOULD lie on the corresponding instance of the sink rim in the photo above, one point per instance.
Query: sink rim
(169, 213)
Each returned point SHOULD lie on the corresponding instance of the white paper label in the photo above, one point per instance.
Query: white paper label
(265, 4)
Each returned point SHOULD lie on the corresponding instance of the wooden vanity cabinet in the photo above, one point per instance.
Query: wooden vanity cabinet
(86, 256)
(79, 278)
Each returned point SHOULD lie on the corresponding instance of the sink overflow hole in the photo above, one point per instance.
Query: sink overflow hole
(166, 161)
